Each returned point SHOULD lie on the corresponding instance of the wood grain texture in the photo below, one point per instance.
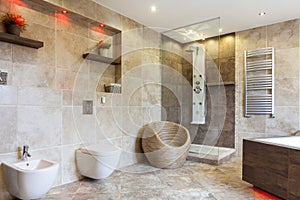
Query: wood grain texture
(272, 168)
(294, 174)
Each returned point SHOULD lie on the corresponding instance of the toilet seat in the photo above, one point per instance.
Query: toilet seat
(101, 149)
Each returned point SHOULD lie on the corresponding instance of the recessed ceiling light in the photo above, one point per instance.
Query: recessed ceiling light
(202, 36)
(153, 8)
(262, 13)
(64, 11)
(101, 25)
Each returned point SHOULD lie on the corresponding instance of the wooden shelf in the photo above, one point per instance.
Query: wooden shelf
(14, 39)
(99, 58)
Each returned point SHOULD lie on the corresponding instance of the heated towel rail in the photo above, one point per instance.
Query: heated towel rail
(259, 81)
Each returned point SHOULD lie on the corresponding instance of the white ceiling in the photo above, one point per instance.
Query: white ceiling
(235, 15)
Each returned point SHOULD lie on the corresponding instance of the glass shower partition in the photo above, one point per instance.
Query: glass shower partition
(193, 93)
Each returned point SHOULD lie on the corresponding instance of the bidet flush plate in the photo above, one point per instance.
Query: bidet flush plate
(87, 107)
(3, 78)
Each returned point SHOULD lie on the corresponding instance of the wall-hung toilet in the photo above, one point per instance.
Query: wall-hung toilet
(97, 161)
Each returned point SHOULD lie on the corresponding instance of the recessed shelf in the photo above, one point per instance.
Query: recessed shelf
(14, 39)
(220, 83)
(100, 58)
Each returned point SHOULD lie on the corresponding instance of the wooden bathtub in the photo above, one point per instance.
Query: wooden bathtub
(273, 165)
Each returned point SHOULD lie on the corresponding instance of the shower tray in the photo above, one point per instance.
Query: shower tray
(210, 154)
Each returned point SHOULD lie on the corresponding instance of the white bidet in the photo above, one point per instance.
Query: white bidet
(29, 179)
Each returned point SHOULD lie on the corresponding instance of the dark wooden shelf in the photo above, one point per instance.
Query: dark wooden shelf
(14, 39)
(99, 58)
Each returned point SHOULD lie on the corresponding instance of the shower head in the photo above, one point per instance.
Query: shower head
(189, 50)
(192, 48)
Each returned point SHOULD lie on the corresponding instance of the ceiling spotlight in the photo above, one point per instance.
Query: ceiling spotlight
(202, 36)
(101, 25)
(220, 30)
(262, 13)
(153, 8)
(64, 11)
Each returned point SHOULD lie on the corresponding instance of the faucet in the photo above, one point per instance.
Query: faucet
(25, 153)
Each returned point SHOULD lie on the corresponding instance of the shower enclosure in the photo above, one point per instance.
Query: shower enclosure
(193, 91)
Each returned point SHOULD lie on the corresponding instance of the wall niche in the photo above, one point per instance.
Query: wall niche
(102, 51)
(107, 55)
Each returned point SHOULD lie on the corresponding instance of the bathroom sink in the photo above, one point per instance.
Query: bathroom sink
(29, 179)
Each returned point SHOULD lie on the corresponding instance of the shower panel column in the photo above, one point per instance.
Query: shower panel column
(199, 84)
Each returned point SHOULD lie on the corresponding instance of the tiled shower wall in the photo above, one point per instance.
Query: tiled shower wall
(176, 84)
(220, 68)
(177, 90)
(42, 103)
(173, 80)
(284, 37)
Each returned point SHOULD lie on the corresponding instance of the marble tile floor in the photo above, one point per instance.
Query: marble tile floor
(194, 181)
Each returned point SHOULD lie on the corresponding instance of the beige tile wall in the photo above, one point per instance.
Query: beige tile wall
(284, 37)
(42, 104)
